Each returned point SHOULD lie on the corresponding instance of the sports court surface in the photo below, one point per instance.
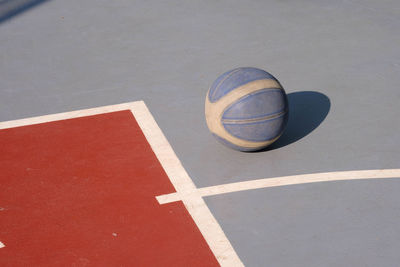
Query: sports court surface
(105, 156)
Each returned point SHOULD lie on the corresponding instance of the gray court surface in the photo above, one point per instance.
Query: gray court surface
(339, 62)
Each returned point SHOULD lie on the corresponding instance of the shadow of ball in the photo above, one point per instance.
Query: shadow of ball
(307, 110)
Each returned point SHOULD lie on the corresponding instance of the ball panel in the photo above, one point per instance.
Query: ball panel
(218, 82)
(246, 109)
(258, 131)
(262, 103)
(214, 111)
(235, 78)
(233, 146)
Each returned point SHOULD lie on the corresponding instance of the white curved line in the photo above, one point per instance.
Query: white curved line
(283, 181)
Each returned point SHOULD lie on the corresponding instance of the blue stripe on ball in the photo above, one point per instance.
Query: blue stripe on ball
(257, 131)
(235, 78)
(262, 103)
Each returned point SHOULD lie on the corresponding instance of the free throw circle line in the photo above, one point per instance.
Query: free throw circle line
(282, 181)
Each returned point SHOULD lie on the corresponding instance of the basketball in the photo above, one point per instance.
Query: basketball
(246, 109)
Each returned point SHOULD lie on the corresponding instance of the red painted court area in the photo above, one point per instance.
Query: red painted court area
(81, 192)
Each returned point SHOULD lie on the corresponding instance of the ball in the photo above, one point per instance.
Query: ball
(246, 109)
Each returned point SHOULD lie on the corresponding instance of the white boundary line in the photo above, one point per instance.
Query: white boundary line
(208, 225)
(285, 180)
(184, 186)
(2, 245)
(68, 115)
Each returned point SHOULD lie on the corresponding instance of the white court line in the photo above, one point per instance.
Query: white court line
(194, 203)
(67, 115)
(2, 245)
(283, 181)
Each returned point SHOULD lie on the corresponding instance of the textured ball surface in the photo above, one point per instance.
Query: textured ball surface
(246, 109)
